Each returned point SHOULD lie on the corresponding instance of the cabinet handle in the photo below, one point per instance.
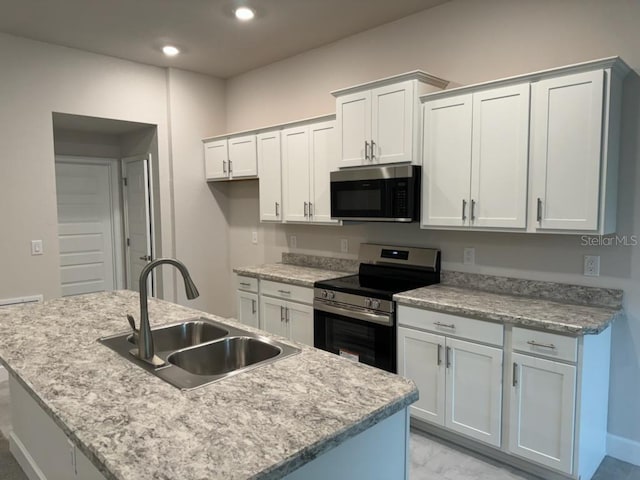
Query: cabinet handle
(539, 215)
(281, 313)
(464, 209)
(446, 325)
(366, 150)
(230, 167)
(533, 343)
(253, 306)
(515, 374)
(224, 166)
(310, 209)
(277, 207)
(447, 352)
(372, 154)
(473, 209)
(245, 284)
(306, 209)
(439, 353)
(286, 292)
(286, 314)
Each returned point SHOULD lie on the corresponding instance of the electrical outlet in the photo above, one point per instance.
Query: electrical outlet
(592, 265)
(36, 247)
(344, 245)
(293, 241)
(469, 256)
(254, 237)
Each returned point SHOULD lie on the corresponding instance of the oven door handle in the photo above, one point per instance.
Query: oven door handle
(381, 319)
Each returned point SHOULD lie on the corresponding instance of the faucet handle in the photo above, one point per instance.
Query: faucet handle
(132, 322)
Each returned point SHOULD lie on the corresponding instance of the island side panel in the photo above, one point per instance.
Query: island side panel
(381, 452)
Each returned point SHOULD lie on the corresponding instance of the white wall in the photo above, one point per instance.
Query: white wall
(466, 41)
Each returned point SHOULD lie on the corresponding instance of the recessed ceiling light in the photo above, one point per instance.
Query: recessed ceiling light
(244, 13)
(170, 50)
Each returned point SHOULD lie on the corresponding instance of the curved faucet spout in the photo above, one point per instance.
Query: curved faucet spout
(146, 350)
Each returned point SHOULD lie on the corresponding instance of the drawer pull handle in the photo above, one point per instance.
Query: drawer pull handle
(245, 284)
(447, 325)
(286, 292)
(447, 352)
(439, 352)
(544, 345)
(515, 377)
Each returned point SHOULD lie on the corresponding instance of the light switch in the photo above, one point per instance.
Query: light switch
(36, 247)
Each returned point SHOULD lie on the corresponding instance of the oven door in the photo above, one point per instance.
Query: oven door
(358, 340)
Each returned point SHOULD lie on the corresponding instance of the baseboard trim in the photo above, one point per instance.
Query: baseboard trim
(24, 459)
(623, 449)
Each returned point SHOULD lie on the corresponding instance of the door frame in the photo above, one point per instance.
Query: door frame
(116, 209)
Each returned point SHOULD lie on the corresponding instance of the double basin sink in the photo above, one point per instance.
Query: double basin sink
(200, 351)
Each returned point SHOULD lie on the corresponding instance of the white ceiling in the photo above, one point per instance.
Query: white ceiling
(211, 39)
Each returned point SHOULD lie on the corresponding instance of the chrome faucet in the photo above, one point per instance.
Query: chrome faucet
(145, 340)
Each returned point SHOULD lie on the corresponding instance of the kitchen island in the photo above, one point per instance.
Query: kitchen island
(311, 415)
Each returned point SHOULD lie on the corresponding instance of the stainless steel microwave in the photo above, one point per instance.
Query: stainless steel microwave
(376, 194)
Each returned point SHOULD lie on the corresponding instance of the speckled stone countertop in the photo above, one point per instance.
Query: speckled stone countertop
(292, 274)
(263, 423)
(513, 309)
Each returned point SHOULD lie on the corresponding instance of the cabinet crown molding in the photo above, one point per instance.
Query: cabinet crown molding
(412, 75)
(616, 64)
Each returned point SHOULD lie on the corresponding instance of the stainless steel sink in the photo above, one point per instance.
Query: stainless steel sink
(224, 356)
(200, 351)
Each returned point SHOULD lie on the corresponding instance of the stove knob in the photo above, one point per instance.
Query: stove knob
(325, 294)
(367, 303)
(332, 295)
(375, 303)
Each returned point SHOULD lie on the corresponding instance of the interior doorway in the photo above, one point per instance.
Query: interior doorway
(106, 189)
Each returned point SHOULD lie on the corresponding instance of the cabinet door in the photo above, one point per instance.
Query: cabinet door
(299, 320)
(499, 156)
(270, 174)
(272, 315)
(353, 116)
(447, 162)
(421, 358)
(248, 308)
(324, 155)
(542, 411)
(474, 390)
(216, 160)
(392, 123)
(295, 174)
(242, 156)
(566, 143)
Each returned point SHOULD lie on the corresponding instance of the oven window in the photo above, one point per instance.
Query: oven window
(352, 339)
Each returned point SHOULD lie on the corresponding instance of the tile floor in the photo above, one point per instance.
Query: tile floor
(431, 459)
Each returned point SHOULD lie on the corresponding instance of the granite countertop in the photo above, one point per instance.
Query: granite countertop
(263, 423)
(518, 310)
(293, 274)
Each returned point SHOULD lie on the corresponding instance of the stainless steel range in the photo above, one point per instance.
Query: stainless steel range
(355, 316)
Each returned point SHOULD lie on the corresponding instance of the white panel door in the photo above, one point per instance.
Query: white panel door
(295, 174)
(138, 220)
(353, 117)
(85, 227)
(566, 143)
(500, 157)
(272, 315)
(242, 156)
(421, 358)
(447, 162)
(324, 156)
(392, 123)
(543, 411)
(474, 390)
(216, 160)
(248, 308)
(270, 174)
(299, 319)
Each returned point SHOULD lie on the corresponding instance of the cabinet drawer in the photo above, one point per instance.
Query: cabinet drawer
(451, 325)
(284, 290)
(250, 284)
(545, 344)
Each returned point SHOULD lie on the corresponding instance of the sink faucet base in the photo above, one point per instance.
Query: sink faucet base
(155, 361)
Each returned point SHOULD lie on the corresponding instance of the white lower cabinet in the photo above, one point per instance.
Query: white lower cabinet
(543, 411)
(288, 319)
(248, 308)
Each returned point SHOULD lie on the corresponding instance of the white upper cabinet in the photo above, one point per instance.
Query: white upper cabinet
(475, 159)
(571, 152)
(230, 158)
(308, 155)
(270, 174)
(379, 122)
